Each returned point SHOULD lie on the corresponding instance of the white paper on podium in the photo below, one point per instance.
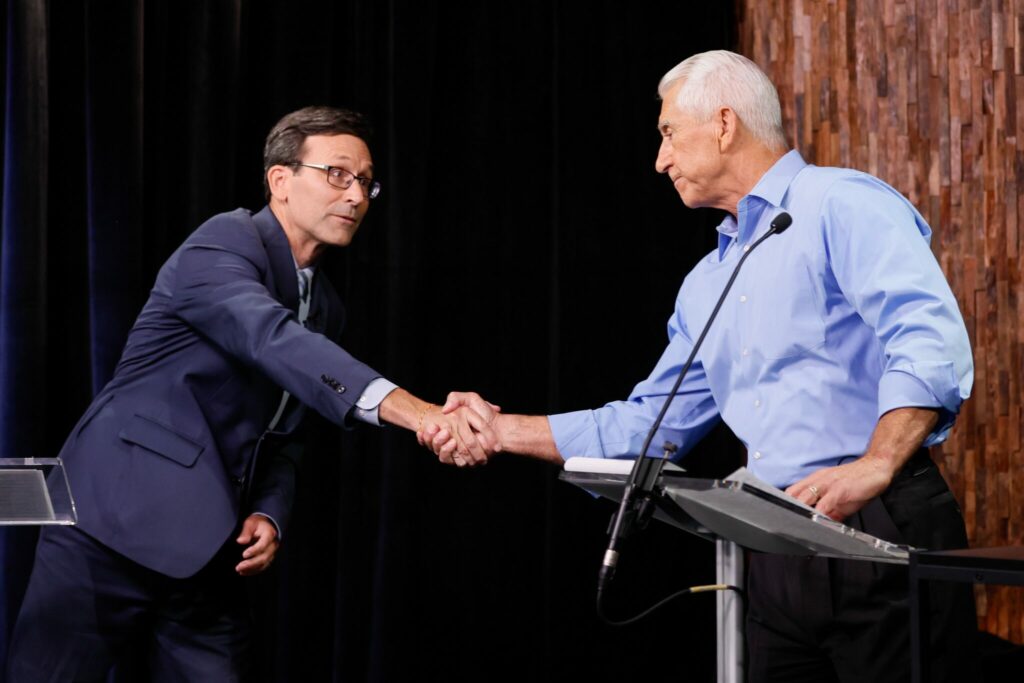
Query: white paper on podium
(607, 465)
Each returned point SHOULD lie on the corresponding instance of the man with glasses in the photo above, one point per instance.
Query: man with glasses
(181, 466)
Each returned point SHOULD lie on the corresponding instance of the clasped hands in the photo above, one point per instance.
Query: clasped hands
(462, 432)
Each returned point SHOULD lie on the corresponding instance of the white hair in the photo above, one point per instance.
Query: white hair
(719, 78)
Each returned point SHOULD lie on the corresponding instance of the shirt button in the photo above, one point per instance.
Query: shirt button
(757, 455)
(743, 299)
(746, 352)
(757, 403)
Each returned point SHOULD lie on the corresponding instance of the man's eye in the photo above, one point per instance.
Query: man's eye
(336, 172)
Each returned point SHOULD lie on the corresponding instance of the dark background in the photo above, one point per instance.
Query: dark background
(523, 247)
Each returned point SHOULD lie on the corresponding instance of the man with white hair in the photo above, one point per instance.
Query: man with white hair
(838, 357)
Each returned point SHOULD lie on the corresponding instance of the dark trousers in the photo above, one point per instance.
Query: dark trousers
(88, 609)
(825, 620)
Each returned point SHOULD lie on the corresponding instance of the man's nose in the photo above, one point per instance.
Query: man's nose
(355, 193)
(664, 159)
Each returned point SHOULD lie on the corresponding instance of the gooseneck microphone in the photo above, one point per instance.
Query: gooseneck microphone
(637, 505)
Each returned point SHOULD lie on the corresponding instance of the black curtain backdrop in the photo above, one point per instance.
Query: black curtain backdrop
(523, 246)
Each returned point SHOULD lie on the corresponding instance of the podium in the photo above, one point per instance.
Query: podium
(736, 513)
(35, 491)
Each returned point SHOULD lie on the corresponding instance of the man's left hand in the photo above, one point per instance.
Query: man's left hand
(260, 534)
(466, 418)
(842, 490)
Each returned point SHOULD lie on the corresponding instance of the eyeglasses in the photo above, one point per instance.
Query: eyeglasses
(342, 179)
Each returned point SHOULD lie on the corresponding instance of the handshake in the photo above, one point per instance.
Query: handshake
(465, 431)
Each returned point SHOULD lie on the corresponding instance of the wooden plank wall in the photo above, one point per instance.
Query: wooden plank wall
(923, 94)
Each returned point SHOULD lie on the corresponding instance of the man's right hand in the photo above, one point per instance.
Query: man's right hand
(448, 440)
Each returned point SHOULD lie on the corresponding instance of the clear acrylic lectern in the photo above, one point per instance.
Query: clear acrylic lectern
(737, 512)
(35, 491)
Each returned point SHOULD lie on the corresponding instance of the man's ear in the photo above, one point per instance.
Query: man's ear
(726, 128)
(277, 181)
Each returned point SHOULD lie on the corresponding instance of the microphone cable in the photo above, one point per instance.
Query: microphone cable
(710, 588)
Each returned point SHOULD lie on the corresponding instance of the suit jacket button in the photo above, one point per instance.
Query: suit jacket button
(340, 389)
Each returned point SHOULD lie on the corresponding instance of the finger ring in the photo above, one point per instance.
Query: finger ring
(814, 489)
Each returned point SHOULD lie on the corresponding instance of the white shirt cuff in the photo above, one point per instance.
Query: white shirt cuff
(368, 405)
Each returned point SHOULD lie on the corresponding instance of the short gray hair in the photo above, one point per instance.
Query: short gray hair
(720, 78)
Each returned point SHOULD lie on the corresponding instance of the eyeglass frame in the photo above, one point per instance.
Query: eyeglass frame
(370, 187)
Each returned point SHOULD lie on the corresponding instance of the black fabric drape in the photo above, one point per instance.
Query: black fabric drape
(523, 247)
(23, 293)
(113, 109)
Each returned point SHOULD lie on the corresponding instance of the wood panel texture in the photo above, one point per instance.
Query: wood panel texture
(923, 94)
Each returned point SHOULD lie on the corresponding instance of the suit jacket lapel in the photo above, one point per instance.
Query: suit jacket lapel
(326, 314)
(279, 253)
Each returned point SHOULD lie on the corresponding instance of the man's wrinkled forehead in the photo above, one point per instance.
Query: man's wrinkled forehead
(669, 106)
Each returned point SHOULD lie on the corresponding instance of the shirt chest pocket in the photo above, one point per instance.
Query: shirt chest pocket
(783, 316)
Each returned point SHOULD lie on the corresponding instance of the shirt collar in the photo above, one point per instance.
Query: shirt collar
(305, 278)
(774, 184)
(770, 190)
(309, 270)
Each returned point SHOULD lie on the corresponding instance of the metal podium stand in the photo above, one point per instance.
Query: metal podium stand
(737, 512)
(34, 491)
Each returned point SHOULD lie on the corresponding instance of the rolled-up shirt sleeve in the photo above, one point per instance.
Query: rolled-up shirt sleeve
(886, 270)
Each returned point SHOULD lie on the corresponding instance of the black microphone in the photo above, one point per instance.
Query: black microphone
(779, 225)
(636, 506)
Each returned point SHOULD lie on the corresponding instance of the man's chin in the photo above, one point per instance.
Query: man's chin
(691, 201)
(344, 239)
(341, 236)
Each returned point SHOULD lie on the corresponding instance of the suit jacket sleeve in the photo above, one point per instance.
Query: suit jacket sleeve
(274, 487)
(220, 291)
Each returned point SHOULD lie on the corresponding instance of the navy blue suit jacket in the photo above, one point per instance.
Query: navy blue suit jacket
(161, 464)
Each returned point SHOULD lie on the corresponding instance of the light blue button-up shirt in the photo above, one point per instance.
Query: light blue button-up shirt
(829, 325)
